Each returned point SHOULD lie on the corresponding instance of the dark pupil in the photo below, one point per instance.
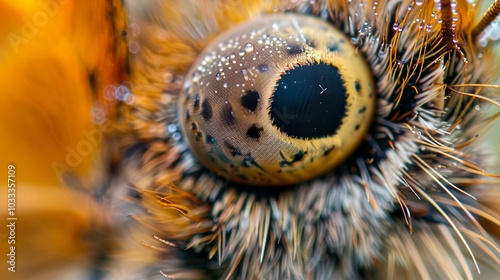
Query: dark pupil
(309, 101)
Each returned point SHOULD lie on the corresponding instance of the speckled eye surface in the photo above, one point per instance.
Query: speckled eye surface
(276, 101)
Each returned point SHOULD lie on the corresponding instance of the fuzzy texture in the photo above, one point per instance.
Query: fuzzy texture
(398, 206)
(414, 201)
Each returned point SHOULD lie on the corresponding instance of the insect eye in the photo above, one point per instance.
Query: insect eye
(276, 101)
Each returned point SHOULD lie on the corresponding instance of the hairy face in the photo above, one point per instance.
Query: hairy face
(313, 139)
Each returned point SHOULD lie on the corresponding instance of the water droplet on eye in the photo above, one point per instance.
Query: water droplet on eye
(245, 73)
(217, 76)
(241, 53)
(225, 85)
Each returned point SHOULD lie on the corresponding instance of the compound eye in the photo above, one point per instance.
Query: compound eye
(277, 101)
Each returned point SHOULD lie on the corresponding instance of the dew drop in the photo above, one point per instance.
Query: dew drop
(245, 73)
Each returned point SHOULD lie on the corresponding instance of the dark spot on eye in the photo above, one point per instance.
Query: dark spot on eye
(362, 110)
(279, 171)
(327, 151)
(248, 161)
(188, 115)
(232, 149)
(234, 169)
(198, 136)
(209, 139)
(227, 114)
(300, 111)
(333, 47)
(194, 126)
(262, 68)
(254, 131)
(232, 166)
(356, 127)
(357, 86)
(295, 49)
(296, 158)
(196, 101)
(124, 33)
(250, 100)
(206, 110)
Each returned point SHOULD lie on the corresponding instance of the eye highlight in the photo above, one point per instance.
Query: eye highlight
(277, 101)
